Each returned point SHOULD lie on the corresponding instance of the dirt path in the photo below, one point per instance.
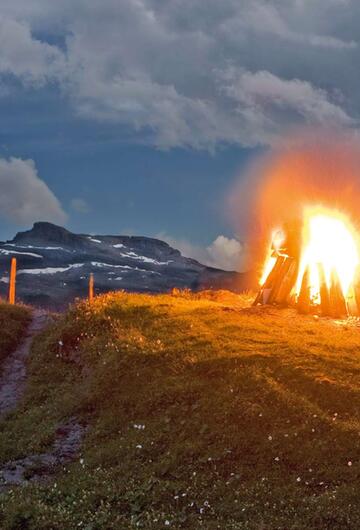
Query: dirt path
(68, 436)
(13, 375)
(41, 466)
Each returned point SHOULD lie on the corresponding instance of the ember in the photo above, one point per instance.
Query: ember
(314, 264)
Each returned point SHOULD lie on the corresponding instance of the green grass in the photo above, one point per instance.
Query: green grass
(203, 413)
(14, 320)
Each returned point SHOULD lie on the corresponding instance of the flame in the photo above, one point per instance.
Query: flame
(277, 239)
(329, 240)
(329, 243)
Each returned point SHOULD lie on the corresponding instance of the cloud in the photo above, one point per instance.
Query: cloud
(79, 205)
(266, 18)
(192, 73)
(268, 104)
(27, 58)
(223, 253)
(24, 197)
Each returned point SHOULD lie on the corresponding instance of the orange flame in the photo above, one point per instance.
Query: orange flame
(277, 239)
(330, 242)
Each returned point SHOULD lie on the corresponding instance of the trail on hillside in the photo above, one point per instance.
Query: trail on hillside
(13, 376)
(68, 436)
(41, 466)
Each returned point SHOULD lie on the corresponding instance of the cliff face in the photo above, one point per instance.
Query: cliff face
(54, 266)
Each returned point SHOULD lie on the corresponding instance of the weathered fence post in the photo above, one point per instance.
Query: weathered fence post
(91, 288)
(12, 282)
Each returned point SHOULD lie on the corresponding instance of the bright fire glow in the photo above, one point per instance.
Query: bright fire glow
(277, 239)
(329, 240)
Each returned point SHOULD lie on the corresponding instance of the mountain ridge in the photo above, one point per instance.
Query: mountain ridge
(54, 265)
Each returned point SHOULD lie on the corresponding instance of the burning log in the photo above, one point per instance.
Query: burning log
(278, 281)
(324, 292)
(351, 304)
(304, 300)
(278, 285)
(338, 307)
(289, 272)
(265, 291)
(357, 288)
(324, 241)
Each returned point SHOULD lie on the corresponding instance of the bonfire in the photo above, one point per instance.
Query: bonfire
(313, 263)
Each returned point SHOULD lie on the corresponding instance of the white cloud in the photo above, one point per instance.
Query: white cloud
(263, 90)
(267, 104)
(193, 73)
(27, 58)
(24, 197)
(266, 18)
(226, 253)
(223, 253)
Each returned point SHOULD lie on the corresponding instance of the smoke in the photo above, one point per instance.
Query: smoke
(310, 169)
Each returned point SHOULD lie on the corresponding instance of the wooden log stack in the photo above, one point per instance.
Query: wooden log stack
(279, 283)
(278, 289)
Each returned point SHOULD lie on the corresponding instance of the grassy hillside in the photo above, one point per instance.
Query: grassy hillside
(203, 413)
(13, 323)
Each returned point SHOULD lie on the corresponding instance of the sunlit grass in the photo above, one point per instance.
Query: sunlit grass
(204, 413)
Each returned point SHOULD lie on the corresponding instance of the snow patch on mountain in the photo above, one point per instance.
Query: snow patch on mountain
(50, 270)
(10, 252)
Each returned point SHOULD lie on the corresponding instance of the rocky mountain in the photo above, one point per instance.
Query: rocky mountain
(54, 266)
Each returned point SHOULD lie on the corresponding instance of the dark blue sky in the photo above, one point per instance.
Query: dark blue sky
(128, 186)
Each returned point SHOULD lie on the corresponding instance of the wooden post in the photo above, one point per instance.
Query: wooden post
(12, 282)
(91, 288)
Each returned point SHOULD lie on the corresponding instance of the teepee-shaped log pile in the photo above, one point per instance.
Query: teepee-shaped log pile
(279, 283)
(279, 289)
